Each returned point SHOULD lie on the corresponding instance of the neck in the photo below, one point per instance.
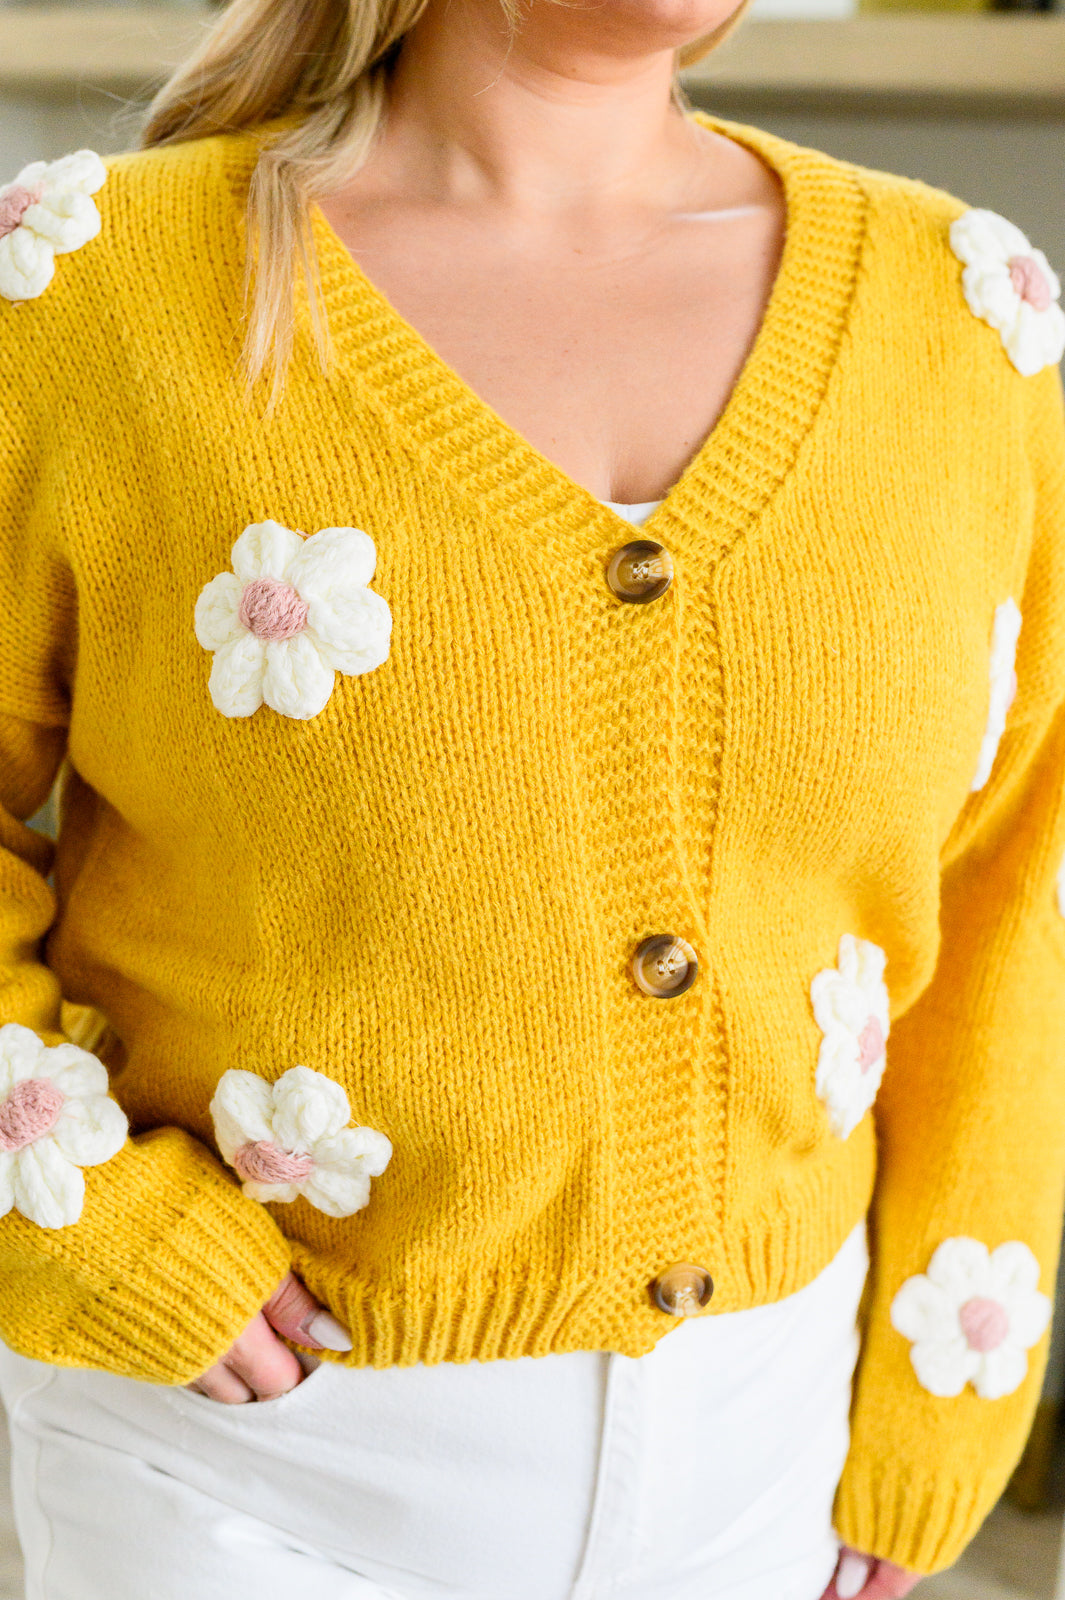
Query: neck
(570, 116)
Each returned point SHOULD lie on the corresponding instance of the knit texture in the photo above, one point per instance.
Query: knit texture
(431, 891)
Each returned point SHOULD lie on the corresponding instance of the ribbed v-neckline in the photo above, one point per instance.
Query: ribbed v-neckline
(741, 462)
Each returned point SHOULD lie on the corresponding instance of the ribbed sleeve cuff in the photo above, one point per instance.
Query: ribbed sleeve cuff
(168, 1263)
(921, 1525)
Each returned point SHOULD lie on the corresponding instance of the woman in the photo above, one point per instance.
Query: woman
(631, 570)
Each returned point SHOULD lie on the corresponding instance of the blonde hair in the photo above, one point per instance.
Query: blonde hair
(323, 65)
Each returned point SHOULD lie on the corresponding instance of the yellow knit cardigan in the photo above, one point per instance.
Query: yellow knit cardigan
(431, 890)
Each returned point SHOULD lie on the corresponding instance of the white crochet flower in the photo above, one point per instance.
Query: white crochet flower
(972, 1316)
(292, 1138)
(851, 1007)
(1005, 632)
(55, 1118)
(1011, 286)
(45, 213)
(291, 614)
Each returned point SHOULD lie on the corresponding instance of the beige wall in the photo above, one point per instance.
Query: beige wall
(1013, 166)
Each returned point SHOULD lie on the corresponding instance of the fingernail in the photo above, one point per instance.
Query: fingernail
(326, 1331)
(852, 1575)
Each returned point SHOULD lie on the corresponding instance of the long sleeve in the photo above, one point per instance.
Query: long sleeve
(966, 1220)
(166, 1260)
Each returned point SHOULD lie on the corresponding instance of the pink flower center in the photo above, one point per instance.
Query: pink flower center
(984, 1323)
(272, 610)
(1029, 281)
(30, 1110)
(870, 1044)
(14, 200)
(263, 1162)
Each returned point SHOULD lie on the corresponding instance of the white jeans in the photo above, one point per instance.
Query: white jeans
(704, 1470)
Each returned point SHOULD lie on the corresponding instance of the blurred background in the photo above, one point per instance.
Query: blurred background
(963, 94)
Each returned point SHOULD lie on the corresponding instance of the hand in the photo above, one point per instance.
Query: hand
(860, 1577)
(257, 1366)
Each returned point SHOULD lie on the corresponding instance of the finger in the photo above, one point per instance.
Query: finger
(860, 1577)
(267, 1367)
(218, 1383)
(890, 1582)
(852, 1574)
(294, 1312)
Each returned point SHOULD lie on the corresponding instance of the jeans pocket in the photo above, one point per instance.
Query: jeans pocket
(252, 1413)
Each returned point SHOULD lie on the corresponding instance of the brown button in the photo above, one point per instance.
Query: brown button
(640, 571)
(664, 965)
(682, 1290)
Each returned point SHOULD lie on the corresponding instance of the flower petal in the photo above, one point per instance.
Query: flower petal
(237, 674)
(1001, 1371)
(27, 265)
(962, 1267)
(1053, 281)
(268, 1193)
(7, 1181)
(242, 1108)
(49, 1190)
(354, 1151)
(1036, 340)
(353, 631)
(338, 1194)
(351, 624)
(1005, 631)
(1029, 1313)
(987, 243)
(31, 176)
(297, 681)
(944, 1367)
(979, 232)
(331, 559)
(21, 1056)
(847, 1092)
(216, 618)
(1014, 1269)
(73, 1070)
(839, 1005)
(66, 219)
(82, 170)
(264, 550)
(989, 293)
(90, 1131)
(924, 1312)
(828, 992)
(308, 1106)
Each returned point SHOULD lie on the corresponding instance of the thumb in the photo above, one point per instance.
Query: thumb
(293, 1311)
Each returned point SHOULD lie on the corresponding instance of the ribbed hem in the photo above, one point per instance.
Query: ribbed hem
(167, 1265)
(495, 1311)
(921, 1524)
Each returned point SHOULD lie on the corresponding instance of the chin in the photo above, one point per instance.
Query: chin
(642, 26)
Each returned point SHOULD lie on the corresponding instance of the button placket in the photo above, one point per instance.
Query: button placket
(663, 965)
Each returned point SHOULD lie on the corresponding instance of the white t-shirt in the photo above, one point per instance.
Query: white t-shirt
(638, 512)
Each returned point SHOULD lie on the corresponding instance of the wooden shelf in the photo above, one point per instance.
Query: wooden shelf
(996, 63)
(51, 49)
(937, 63)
